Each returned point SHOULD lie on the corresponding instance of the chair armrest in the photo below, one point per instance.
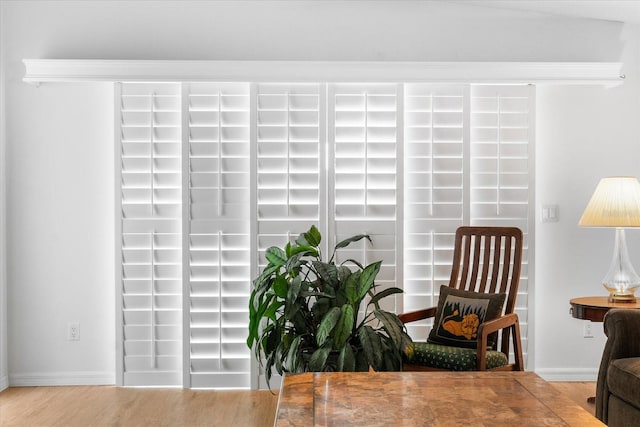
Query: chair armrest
(622, 327)
(509, 322)
(414, 316)
(487, 328)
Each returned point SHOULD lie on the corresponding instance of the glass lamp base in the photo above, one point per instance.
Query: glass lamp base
(621, 280)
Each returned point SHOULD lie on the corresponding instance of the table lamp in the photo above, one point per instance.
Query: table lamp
(616, 203)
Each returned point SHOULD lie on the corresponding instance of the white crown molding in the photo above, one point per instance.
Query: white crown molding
(90, 70)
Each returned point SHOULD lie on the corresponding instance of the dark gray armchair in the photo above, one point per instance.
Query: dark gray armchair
(618, 389)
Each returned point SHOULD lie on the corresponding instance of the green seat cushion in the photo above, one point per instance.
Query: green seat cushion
(453, 358)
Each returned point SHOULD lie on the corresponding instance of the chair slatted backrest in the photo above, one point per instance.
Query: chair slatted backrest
(488, 260)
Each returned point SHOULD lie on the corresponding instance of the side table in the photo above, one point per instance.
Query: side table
(594, 309)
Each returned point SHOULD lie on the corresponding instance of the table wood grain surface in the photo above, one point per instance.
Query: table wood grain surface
(425, 399)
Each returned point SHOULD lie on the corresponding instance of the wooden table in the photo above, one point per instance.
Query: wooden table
(425, 398)
(594, 308)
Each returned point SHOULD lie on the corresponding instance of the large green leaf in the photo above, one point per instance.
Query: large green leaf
(320, 307)
(328, 272)
(351, 288)
(313, 236)
(280, 357)
(347, 242)
(392, 325)
(267, 368)
(292, 360)
(262, 282)
(280, 286)
(256, 317)
(294, 264)
(344, 327)
(382, 294)
(304, 250)
(299, 323)
(408, 347)
(272, 339)
(275, 256)
(327, 324)
(346, 359)
(287, 249)
(319, 359)
(294, 289)
(371, 345)
(367, 278)
(362, 365)
(270, 312)
(391, 360)
(343, 274)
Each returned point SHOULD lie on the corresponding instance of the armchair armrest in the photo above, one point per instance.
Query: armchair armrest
(508, 321)
(487, 328)
(622, 327)
(414, 316)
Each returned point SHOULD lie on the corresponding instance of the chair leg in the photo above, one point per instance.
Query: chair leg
(517, 348)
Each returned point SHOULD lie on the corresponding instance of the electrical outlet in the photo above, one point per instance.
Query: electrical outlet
(73, 331)
(587, 331)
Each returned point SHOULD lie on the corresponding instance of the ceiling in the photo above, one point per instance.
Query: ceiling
(610, 10)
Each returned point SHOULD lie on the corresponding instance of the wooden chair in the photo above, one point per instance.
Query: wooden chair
(486, 260)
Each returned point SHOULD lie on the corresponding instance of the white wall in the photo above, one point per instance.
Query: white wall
(60, 138)
(584, 134)
(4, 378)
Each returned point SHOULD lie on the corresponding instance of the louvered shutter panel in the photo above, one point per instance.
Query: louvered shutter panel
(288, 163)
(364, 145)
(219, 277)
(150, 188)
(434, 191)
(501, 139)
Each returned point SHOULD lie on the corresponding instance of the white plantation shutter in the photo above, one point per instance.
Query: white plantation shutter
(467, 151)
(435, 121)
(501, 143)
(218, 241)
(150, 239)
(212, 174)
(364, 145)
(289, 175)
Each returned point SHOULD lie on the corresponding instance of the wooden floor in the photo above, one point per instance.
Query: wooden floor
(101, 406)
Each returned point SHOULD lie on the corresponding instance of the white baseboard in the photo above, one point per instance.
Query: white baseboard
(568, 374)
(61, 379)
(4, 382)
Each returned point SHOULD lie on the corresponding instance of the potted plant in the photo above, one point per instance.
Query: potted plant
(304, 313)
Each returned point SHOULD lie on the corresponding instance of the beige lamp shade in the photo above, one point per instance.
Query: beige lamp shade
(615, 203)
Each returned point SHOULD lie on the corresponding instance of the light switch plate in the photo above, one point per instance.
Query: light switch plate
(549, 213)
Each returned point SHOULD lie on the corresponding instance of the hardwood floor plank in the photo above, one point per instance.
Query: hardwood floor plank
(101, 406)
(97, 406)
(578, 392)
